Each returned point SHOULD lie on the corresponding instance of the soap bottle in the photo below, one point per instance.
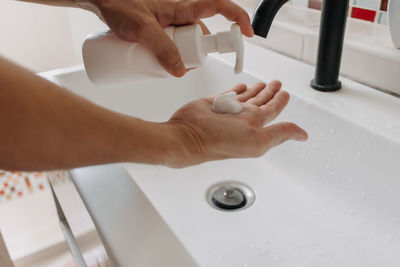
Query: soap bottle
(109, 60)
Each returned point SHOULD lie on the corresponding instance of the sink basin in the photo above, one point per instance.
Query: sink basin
(331, 201)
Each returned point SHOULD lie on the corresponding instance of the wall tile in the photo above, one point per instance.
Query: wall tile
(382, 18)
(315, 4)
(367, 4)
(19, 184)
(384, 5)
(303, 3)
(359, 9)
(364, 14)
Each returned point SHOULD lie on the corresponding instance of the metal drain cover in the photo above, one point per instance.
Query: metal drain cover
(230, 196)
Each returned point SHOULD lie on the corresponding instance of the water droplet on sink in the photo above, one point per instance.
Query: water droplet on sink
(393, 125)
(337, 104)
(351, 212)
(223, 258)
(322, 212)
(358, 156)
(316, 146)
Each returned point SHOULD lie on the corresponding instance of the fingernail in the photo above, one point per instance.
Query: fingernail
(251, 31)
(302, 137)
(179, 68)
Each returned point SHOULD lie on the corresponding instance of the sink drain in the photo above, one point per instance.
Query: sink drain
(230, 196)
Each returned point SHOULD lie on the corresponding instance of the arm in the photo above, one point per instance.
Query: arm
(143, 21)
(46, 127)
(63, 3)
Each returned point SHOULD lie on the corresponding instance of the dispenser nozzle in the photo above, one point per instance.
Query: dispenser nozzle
(226, 42)
(237, 41)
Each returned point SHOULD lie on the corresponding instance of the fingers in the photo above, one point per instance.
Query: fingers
(266, 94)
(274, 107)
(191, 11)
(204, 28)
(238, 89)
(279, 133)
(155, 38)
(251, 92)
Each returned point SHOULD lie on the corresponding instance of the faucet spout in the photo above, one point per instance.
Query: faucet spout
(264, 14)
(331, 36)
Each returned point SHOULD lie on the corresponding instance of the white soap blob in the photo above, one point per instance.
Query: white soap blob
(226, 103)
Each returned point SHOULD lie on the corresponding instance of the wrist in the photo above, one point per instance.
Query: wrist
(171, 148)
(186, 145)
(153, 143)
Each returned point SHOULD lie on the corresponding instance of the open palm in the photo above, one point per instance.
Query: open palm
(213, 136)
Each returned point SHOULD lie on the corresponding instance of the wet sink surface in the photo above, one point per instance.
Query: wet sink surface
(332, 201)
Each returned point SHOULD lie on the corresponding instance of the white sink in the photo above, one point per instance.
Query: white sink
(331, 201)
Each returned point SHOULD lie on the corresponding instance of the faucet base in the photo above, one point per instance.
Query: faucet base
(325, 88)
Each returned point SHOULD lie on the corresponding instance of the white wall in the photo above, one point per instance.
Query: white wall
(41, 37)
(81, 24)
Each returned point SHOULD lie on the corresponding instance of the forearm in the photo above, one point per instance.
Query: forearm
(46, 127)
(63, 3)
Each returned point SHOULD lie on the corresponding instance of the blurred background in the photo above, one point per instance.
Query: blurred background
(43, 38)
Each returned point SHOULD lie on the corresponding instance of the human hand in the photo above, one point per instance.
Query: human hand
(143, 21)
(210, 136)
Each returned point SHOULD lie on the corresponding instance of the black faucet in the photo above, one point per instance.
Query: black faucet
(331, 35)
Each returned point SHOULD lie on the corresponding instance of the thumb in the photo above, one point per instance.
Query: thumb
(165, 50)
(279, 133)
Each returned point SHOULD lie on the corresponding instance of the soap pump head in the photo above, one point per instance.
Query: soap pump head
(194, 46)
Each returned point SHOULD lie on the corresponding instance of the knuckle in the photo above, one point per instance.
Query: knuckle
(287, 127)
(219, 4)
(142, 27)
(272, 111)
(252, 122)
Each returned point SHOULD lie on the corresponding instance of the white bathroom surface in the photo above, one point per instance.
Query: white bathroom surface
(331, 201)
(32, 232)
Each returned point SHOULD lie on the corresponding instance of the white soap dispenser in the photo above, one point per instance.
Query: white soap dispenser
(109, 60)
